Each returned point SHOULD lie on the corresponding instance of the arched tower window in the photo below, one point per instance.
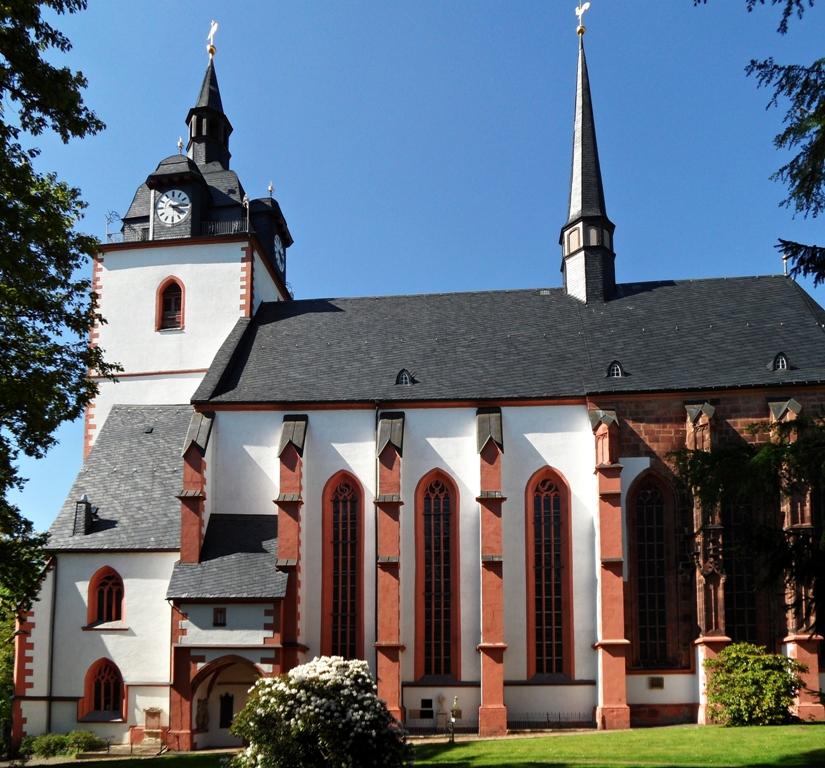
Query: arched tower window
(105, 599)
(170, 304)
(549, 604)
(342, 597)
(103, 692)
(437, 578)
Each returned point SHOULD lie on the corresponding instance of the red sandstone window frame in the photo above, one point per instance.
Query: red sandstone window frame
(106, 598)
(437, 475)
(671, 607)
(328, 644)
(103, 680)
(160, 320)
(566, 567)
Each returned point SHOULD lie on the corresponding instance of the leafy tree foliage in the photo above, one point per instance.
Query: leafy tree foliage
(46, 310)
(325, 712)
(803, 89)
(749, 686)
(785, 459)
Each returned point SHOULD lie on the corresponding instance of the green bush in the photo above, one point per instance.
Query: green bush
(749, 686)
(84, 741)
(52, 744)
(48, 745)
(323, 713)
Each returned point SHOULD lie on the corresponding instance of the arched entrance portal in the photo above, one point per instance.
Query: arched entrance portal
(219, 692)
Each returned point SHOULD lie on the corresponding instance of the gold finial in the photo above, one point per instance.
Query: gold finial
(581, 9)
(210, 39)
(180, 145)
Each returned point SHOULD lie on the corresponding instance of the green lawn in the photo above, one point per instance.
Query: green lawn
(683, 746)
(677, 747)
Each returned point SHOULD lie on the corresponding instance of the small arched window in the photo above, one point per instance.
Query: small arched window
(103, 692)
(780, 363)
(404, 378)
(105, 600)
(614, 370)
(170, 300)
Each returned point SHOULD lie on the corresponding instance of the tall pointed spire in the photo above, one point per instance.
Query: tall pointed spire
(210, 95)
(587, 237)
(209, 127)
(586, 190)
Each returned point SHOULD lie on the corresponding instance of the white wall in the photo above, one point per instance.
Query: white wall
(442, 438)
(534, 701)
(141, 652)
(263, 286)
(130, 278)
(560, 437)
(41, 636)
(245, 448)
(679, 689)
(244, 624)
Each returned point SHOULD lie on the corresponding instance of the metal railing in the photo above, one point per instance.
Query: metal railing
(223, 227)
(141, 234)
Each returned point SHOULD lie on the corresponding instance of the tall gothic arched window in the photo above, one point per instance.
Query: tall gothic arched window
(437, 578)
(549, 607)
(170, 302)
(103, 692)
(342, 568)
(650, 568)
(105, 599)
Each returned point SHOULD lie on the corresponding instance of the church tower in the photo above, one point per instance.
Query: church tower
(195, 256)
(587, 237)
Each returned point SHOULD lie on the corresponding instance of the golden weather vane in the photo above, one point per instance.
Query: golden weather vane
(581, 9)
(210, 39)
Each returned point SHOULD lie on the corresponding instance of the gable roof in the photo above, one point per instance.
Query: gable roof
(540, 343)
(132, 476)
(237, 562)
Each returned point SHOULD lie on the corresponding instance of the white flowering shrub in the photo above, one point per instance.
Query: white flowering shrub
(324, 713)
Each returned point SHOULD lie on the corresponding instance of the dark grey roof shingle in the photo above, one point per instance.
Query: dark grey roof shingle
(132, 476)
(237, 562)
(540, 343)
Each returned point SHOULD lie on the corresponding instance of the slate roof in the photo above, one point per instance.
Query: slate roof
(586, 189)
(210, 95)
(132, 475)
(237, 562)
(539, 343)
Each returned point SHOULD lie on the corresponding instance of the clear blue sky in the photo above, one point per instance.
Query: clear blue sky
(424, 145)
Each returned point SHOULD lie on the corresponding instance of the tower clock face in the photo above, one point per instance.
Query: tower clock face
(173, 206)
(280, 253)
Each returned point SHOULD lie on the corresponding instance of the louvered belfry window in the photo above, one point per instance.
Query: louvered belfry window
(547, 578)
(438, 575)
(109, 597)
(344, 620)
(107, 690)
(651, 586)
(171, 303)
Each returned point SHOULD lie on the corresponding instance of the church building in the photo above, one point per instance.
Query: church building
(471, 491)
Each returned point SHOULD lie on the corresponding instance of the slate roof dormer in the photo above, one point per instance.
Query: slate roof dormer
(209, 127)
(587, 237)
